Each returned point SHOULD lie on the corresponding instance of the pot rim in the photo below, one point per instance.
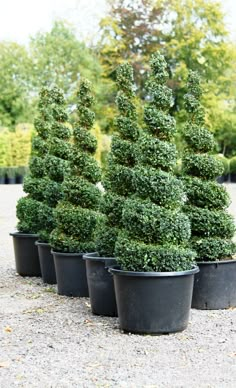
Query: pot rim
(58, 253)
(117, 271)
(93, 256)
(42, 243)
(216, 262)
(21, 234)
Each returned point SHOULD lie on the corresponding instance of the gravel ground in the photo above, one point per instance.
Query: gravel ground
(48, 340)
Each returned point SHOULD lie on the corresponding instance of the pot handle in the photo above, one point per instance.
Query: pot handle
(112, 266)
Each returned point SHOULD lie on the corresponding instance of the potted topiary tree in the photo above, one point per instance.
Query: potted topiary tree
(118, 183)
(76, 215)
(212, 227)
(55, 167)
(154, 283)
(232, 166)
(30, 210)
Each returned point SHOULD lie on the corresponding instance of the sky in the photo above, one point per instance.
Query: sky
(19, 19)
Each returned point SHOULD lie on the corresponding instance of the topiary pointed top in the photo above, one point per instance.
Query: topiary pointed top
(125, 78)
(192, 98)
(158, 65)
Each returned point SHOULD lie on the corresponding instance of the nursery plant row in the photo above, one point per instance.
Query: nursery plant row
(142, 242)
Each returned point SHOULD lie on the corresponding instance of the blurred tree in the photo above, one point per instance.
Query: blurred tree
(15, 84)
(60, 58)
(191, 35)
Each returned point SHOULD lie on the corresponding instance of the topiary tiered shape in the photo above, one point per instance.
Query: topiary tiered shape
(119, 178)
(56, 160)
(31, 212)
(155, 230)
(76, 215)
(212, 227)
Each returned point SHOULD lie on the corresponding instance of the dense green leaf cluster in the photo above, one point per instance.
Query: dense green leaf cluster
(155, 232)
(138, 256)
(232, 165)
(212, 227)
(56, 159)
(76, 214)
(32, 212)
(119, 177)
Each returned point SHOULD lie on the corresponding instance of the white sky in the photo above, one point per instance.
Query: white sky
(21, 18)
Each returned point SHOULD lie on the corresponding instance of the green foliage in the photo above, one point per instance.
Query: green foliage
(210, 223)
(157, 153)
(80, 192)
(119, 175)
(151, 224)
(212, 249)
(202, 166)
(159, 124)
(199, 139)
(137, 256)
(16, 78)
(212, 227)
(155, 232)
(233, 165)
(75, 215)
(192, 35)
(56, 159)
(205, 194)
(225, 162)
(29, 215)
(30, 210)
(160, 187)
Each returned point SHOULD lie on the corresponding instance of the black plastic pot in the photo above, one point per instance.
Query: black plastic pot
(153, 302)
(19, 179)
(215, 285)
(2, 180)
(71, 274)
(100, 284)
(26, 254)
(233, 177)
(46, 262)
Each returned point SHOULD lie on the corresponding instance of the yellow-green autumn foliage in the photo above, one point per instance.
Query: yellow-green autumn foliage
(15, 146)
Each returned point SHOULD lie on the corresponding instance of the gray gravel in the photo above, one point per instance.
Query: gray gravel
(48, 340)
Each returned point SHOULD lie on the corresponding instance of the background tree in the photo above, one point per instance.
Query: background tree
(191, 34)
(15, 84)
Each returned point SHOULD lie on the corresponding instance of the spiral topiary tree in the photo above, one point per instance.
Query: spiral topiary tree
(56, 160)
(155, 230)
(118, 180)
(212, 227)
(30, 209)
(76, 214)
